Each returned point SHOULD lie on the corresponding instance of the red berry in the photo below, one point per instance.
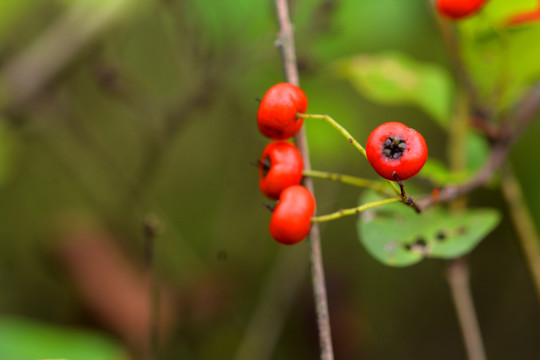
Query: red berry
(291, 219)
(280, 166)
(277, 112)
(458, 9)
(394, 147)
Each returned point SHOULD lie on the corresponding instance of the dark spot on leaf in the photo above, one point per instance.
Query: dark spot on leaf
(441, 235)
(420, 242)
(462, 230)
(407, 247)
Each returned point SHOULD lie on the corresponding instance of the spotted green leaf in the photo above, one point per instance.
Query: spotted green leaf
(397, 236)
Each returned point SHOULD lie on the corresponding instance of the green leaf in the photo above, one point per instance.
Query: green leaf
(501, 59)
(22, 339)
(436, 172)
(396, 236)
(395, 79)
(478, 150)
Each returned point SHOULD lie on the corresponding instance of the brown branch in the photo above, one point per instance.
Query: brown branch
(285, 42)
(524, 113)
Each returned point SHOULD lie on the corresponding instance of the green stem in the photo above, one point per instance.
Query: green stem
(346, 179)
(338, 127)
(353, 211)
(347, 135)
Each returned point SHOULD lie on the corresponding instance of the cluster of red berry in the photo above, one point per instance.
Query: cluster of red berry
(395, 151)
(281, 165)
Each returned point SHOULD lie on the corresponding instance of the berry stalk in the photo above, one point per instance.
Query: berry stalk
(338, 127)
(353, 211)
(347, 179)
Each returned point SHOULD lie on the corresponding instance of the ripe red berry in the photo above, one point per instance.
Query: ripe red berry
(394, 147)
(277, 112)
(458, 9)
(291, 219)
(280, 166)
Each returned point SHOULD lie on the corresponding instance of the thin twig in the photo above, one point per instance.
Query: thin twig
(339, 128)
(285, 42)
(450, 40)
(524, 224)
(458, 279)
(353, 211)
(349, 180)
(524, 113)
(457, 269)
(151, 229)
(76, 28)
(276, 299)
(482, 115)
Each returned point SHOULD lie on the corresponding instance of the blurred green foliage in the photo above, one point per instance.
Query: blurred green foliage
(154, 112)
(24, 339)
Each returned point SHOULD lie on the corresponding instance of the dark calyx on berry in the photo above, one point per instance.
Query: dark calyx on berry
(265, 165)
(394, 147)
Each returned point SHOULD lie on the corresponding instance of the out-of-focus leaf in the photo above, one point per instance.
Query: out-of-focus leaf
(501, 59)
(10, 11)
(394, 79)
(440, 175)
(477, 151)
(396, 236)
(22, 339)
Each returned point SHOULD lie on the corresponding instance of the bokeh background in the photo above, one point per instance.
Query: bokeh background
(126, 119)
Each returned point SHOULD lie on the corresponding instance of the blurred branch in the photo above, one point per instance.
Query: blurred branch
(151, 227)
(276, 299)
(285, 42)
(458, 278)
(524, 224)
(450, 40)
(161, 141)
(30, 71)
(524, 113)
(458, 269)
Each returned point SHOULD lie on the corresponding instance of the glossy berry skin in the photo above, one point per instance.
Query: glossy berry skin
(280, 166)
(458, 9)
(291, 218)
(276, 118)
(394, 147)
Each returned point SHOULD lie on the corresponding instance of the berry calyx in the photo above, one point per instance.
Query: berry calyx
(396, 151)
(277, 118)
(459, 9)
(280, 166)
(291, 218)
